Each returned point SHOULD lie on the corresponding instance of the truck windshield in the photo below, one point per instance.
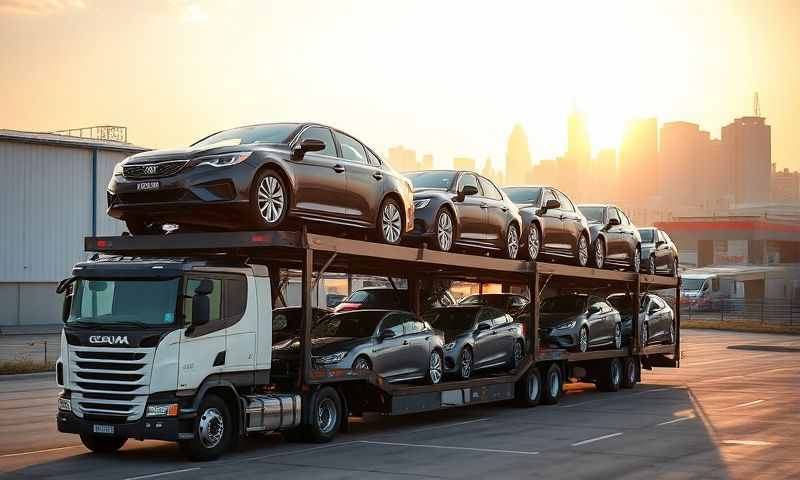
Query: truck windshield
(110, 302)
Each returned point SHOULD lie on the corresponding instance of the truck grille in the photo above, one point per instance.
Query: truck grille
(153, 170)
(110, 383)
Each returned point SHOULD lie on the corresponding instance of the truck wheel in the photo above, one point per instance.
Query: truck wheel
(101, 444)
(553, 385)
(213, 429)
(528, 390)
(612, 378)
(629, 373)
(326, 416)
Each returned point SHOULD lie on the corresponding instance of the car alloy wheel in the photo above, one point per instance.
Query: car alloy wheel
(583, 251)
(391, 222)
(671, 334)
(645, 335)
(599, 253)
(637, 259)
(617, 336)
(435, 371)
(583, 339)
(211, 428)
(652, 266)
(512, 242)
(533, 242)
(517, 356)
(466, 363)
(271, 199)
(361, 363)
(444, 231)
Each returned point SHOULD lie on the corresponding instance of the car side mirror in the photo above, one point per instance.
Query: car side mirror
(552, 204)
(594, 309)
(307, 145)
(482, 327)
(386, 334)
(660, 243)
(467, 190)
(613, 222)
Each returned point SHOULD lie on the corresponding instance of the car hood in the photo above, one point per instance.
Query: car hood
(550, 320)
(321, 346)
(431, 192)
(194, 152)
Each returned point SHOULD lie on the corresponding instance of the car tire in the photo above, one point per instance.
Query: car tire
(636, 261)
(629, 372)
(465, 363)
(390, 224)
(651, 268)
(533, 244)
(517, 354)
(444, 230)
(208, 442)
(611, 377)
(617, 336)
(583, 339)
(599, 253)
(553, 384)
(325, 416)
(435, 368)
(528, 391)
(102, 444)
(582, 251)
(670, 340)
(512, 241)
(645, 334)
(269, 199)
(362, 363)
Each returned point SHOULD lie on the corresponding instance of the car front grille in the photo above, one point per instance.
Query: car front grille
(153, 170)
(110, 383)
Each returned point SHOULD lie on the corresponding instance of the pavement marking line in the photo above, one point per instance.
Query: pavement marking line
(754, 402)
(291, 452)
(668, 422)
(469, 449)
(161, 474)
(756, 443)
(596, 439)
(7, 455)
(456, 424)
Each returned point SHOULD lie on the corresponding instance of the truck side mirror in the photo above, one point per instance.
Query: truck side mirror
(65, 307)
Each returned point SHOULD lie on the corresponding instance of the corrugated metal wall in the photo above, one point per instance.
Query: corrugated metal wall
(45, 211)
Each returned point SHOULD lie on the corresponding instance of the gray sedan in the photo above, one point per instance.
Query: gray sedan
(394, 344)
(656, 317)
(477, 337)
(580, 322)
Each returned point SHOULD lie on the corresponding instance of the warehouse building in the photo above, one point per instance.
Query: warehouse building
(52, 194)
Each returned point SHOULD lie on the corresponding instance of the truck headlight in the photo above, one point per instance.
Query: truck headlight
(566, 326)
(225, 160)
(450, 346)
(419, 204)
(64, 404)
(332, 358)
(168, 410)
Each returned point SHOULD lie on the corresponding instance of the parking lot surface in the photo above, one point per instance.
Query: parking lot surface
(730, 411)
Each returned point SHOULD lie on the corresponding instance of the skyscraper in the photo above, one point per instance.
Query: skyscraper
(489, 172)
(518, 157)
(464, 163)
(747, 151)
(403, 159)
(427, 162)
(604, 167)
(576, 163)
(638, 159)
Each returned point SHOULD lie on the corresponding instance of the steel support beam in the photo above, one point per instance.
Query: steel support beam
(305, 337)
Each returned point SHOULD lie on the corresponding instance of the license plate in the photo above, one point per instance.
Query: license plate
(148, 186)
(103, 429)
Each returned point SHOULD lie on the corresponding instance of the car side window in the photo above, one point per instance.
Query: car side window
(494, 315)
(623, 218)
(322, 134)
(489, 190)
(518, 301)
(412, 324)
(566, 203)
(612, 213)
(373, 159)
(351, 148)
(393, 322)
(548, 195)
(469, 179)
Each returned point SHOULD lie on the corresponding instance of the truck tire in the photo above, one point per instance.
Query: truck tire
(553, 384)
(629, 372)
(528, 390)
(102, 444)
(611, 379)
(324, 418)
(213, 430)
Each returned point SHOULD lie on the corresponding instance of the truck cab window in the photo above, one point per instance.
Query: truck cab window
(215, 301)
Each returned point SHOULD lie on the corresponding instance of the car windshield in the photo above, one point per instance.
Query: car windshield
(564, 304)
(523, 195)
(623, 303)
(492, 300)
(593, 214)
(110, 302)
(268, 133)
(451, 319)
(647, 235)
(431, 179)
(692, 283)
(379, 297)
(350, 324)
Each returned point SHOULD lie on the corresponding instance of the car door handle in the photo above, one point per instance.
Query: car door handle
(377, 175)
(338, 168)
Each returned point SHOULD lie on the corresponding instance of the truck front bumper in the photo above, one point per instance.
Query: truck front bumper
(166, 428)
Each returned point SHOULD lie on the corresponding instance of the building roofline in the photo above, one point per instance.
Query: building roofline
(44, 138)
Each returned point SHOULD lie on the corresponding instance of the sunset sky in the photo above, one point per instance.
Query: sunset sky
(447, 78)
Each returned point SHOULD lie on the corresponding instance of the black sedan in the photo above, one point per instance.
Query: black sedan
(461, 208)
(258, 177)
(659, 253)
(551, 224)
(579, 322)
(614, 239)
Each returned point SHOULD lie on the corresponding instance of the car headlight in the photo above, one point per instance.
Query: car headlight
(450, 346)
(332, 358)
(64, 404)
(421, 203)
(225, 160)
(566, 326)
(118, 172)
(168, 410)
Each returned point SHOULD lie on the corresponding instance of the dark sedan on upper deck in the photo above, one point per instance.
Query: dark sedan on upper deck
(615, 241)
(258, 177)
(461, 208)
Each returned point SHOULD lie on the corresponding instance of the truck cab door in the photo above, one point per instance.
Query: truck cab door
(202, 347)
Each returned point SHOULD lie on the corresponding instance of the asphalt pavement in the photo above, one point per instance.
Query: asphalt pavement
(730, 411)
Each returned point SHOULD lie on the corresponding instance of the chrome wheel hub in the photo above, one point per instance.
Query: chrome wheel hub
(517, 354)
(361, 364)
(326, 415)
(584, 340)
(617, 337)
(466, 363)
(436, 368)
(211, 428)
(512, 242)
(391, 223)
(583, 251)
(533, 387)
(533, 242)
(270, 199)
(599, 254)
(652, 266)
(444, 231)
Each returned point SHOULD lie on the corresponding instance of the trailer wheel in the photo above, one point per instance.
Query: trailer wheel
(101, 444)
(529, 388)
(326, 416)
(612, 378)
(553, 385)
(213, 430)
(629, 372)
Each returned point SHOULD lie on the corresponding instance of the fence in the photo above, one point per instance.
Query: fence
(767, 311)
(39, 352)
